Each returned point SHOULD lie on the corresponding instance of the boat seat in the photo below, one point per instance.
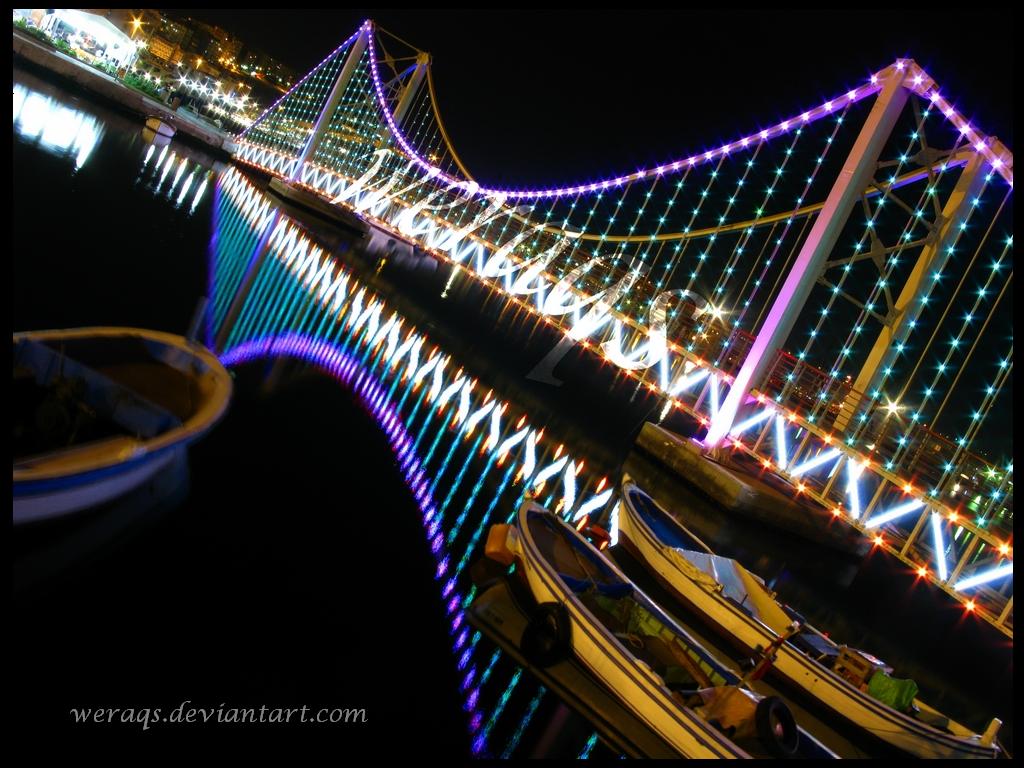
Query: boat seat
(815, 646)
(856, 666)
(674, 664)
(614, 591)
(127, 408)
(934, 719)
(737, 604)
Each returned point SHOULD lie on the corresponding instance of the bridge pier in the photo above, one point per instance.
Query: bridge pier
(854, 177)
(738, 491)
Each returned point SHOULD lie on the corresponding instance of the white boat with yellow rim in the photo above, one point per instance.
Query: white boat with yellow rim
(585, 606)
(742, 609)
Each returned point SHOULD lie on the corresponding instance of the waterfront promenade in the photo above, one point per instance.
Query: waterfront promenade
(107, 87)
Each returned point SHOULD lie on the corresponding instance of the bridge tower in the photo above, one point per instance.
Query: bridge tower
(810, 263)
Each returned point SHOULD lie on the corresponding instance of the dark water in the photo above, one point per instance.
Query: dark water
(296, 570)
(262, 588)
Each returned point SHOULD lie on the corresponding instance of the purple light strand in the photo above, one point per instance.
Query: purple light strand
(805, 117)
(920, 82)
(373, 396)
(211, 252)
(309, 74)
(923, 85)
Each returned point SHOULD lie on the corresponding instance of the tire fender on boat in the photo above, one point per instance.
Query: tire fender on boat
(776, 727)
(547, 638)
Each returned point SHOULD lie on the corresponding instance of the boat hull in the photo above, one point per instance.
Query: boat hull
(815, 680)
(79, 477)
(69, 494)
(598, 650)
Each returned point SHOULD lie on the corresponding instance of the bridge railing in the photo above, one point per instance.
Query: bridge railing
(924, 457)
(964, 552)
(806, 389)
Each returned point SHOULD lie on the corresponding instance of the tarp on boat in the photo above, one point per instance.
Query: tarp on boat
(897, 693)
(736, 582)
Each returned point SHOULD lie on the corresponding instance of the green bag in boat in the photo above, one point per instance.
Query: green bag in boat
(898, 694)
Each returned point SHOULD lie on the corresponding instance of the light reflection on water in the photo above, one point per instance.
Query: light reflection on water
(57, 128)
(183, 175)
(469, 456)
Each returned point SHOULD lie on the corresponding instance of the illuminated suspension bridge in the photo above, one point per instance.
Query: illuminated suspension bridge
(830, 295)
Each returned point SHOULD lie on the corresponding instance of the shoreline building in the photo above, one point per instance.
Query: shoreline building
(93, 37)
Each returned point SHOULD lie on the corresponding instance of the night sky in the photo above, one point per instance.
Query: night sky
(535, 97)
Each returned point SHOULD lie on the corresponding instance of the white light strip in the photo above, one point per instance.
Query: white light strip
(594, 503)
(513, 441)
(853, 471)
(569, 487)
(492, 439)
(893, 513)
(817, 461)
(613, 533)
(478, 415)
(780, 442)
(199, 194)
(753, 421)
(984, 577)
(940, 546)
(185, 187)
(688, 381)
(530, 460)
(548, 471)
